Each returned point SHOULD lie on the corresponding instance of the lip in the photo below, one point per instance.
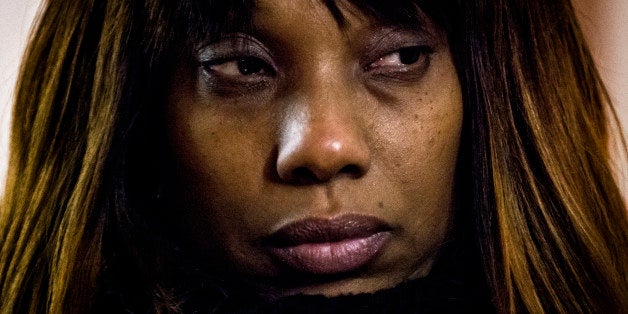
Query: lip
(329, 246)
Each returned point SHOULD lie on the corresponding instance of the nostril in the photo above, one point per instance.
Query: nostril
(353, 171)
(303, 175)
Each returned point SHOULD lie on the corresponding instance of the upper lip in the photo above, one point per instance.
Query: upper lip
(322, 230)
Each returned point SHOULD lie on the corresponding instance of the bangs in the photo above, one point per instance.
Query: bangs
(203, 20)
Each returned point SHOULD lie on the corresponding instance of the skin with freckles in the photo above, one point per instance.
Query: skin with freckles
(306, 119)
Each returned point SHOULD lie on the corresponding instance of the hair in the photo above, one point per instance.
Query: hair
(543, 213)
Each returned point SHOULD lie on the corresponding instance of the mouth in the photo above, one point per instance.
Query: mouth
(329, 246)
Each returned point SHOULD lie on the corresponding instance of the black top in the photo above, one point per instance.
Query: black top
(433, 294)
(426, 295)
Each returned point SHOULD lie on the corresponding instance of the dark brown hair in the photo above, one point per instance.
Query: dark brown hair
(542, 210)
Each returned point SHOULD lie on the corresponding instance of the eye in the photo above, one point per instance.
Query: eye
(402, 60)
(236, 65)
(239, 67)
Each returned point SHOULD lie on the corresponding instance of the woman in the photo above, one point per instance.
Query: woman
(234, 156)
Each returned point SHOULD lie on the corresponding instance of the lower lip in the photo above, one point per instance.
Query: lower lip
(333, 257)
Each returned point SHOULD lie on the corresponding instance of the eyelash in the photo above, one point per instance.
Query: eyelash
(411, 54)
(392, 66)
(246, 65)
(238, 71)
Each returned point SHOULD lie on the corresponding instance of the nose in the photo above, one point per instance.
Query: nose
(321, 140)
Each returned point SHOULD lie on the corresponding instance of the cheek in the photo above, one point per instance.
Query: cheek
(419, 144)
(220, 168)
(418, 151)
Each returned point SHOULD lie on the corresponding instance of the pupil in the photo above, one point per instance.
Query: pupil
(409, 55)
(250, 66)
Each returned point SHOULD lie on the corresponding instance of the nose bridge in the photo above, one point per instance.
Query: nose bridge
(321, 135)
(328, 92)
(328, 101)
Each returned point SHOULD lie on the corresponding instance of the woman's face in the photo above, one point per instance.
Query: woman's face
(314, 156)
